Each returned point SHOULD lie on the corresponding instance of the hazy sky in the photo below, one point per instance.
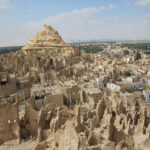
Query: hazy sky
(74, 19)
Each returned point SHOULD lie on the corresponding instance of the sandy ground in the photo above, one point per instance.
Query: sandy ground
(12, 145)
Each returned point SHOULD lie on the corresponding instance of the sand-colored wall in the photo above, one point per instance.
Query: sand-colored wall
(9, 122)
(9, 88)
(56, 99)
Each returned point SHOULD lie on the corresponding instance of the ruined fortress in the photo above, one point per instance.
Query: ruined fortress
(54, 97)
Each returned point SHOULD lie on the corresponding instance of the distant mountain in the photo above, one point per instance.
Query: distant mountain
(143, 39)
(114, 40)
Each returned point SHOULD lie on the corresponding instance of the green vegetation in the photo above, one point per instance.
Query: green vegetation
(4, 50)
(137, 56)
(89, 48)
(126, 52)
(143, 46)
(127, 74)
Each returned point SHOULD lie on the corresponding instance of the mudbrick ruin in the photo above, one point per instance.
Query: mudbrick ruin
(55, 97)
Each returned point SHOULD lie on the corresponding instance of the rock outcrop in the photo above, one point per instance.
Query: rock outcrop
(48, 39)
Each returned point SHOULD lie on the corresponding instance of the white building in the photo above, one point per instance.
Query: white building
(138, 71)
(146, 94)
(100, 67)
(127, 59)
(113, 87)
(148, 74)
(137, 86)
(98, 83)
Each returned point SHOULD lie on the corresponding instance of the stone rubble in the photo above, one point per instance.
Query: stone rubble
(70, 103)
